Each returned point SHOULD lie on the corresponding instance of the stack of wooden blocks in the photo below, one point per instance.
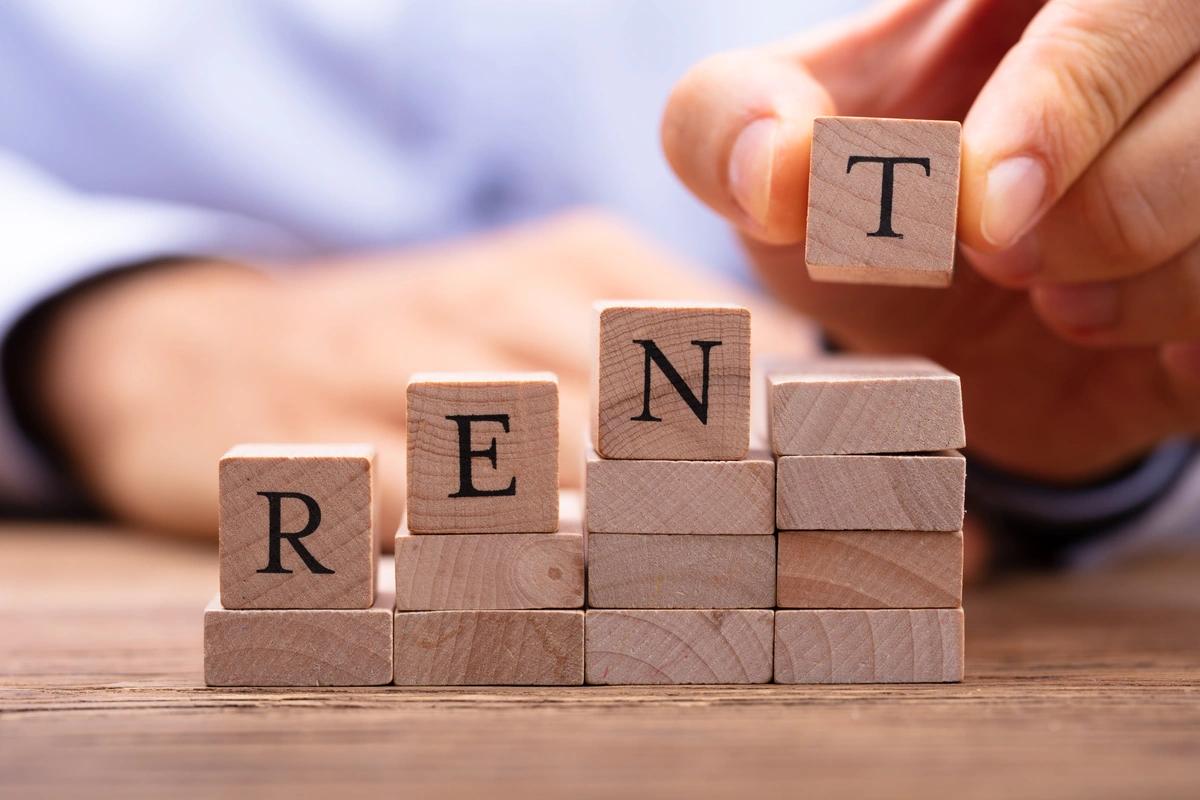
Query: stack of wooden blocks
(680, 511)
(834, 556)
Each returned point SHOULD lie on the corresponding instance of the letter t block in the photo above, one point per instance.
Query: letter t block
(883, 201)
(672, 381)
(483, 452)
(297, 527)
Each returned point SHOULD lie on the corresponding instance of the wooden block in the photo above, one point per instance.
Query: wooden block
(679, 646)
(297, 526)
(493, 570)
(300, 647)
(671, 381)
(648, 570)
(893, 645)
(883, 201)
(489, 648)
(483, 452)
(713, 497)
(879, 493)
(870, 569)
(857, 404)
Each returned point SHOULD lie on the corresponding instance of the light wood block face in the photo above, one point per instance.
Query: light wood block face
(489, 648)
(881, 493)
(483, 453)
(679, 646)
(709, 497)
(672, 381)
(864, 405)
(493, 570)
(877, 646)
(297, 526)
(299, 647)
(873, 218)
(870, 569)
(639, 570)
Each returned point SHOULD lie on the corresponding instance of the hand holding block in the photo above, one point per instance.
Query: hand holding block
(859, 404)
(922, 645)
(493, 570)
(679, 646)
(297, 527)
(883, 201)
(483, 453)
(870, 569)
(672, 381)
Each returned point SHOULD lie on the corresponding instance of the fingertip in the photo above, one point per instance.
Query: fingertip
(1080, 313)
(1182, 361)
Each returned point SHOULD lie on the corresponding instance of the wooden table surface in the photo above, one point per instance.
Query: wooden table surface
(1084, 686)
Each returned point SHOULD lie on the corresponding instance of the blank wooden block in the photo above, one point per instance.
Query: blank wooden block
(711, 497)
(483, 453)
(641, 570)
(672, 381)
(297, 526)
(679, 646)
(493, 570)
(883, 201)
(880, 493)
(299, 647)
(489, 648)
(856, 405)
(870, 569)
(892, 645)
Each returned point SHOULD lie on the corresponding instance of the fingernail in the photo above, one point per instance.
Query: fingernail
(1016, 190)
(1182, 359)
(1083, 308)
(750, 164)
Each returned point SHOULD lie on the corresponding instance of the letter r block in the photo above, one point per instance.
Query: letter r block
(672, 381)
(297, 526)
(483, 452)
(883, 201)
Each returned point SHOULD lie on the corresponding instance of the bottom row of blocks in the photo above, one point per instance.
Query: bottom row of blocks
(563, 648)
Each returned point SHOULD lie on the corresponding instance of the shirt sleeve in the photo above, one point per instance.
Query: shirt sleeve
(55, 237)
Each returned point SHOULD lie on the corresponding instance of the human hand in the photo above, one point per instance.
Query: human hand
(1077, 332)
(149, 377)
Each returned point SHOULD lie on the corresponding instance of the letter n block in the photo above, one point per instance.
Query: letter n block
(883, 201)
(483, 453)
(672, 381)
(297, 527)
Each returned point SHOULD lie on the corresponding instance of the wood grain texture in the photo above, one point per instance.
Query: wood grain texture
(679, 646)
(677, 431)
(864, 405)
(1087, 680)
(899, 493)
(493, 570)
(299, 647)
(341, 480)
(650, 570)
(488, 648)
(709, 497)
(869, 646)
(526, 454)
(844, 202)
(870, 569)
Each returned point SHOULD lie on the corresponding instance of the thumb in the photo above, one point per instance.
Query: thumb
(1076, 76)
(737, 130)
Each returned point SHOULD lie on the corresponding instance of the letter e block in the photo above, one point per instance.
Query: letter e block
(883, 201)
(483, 453)
(672, 381)
(297, 526)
